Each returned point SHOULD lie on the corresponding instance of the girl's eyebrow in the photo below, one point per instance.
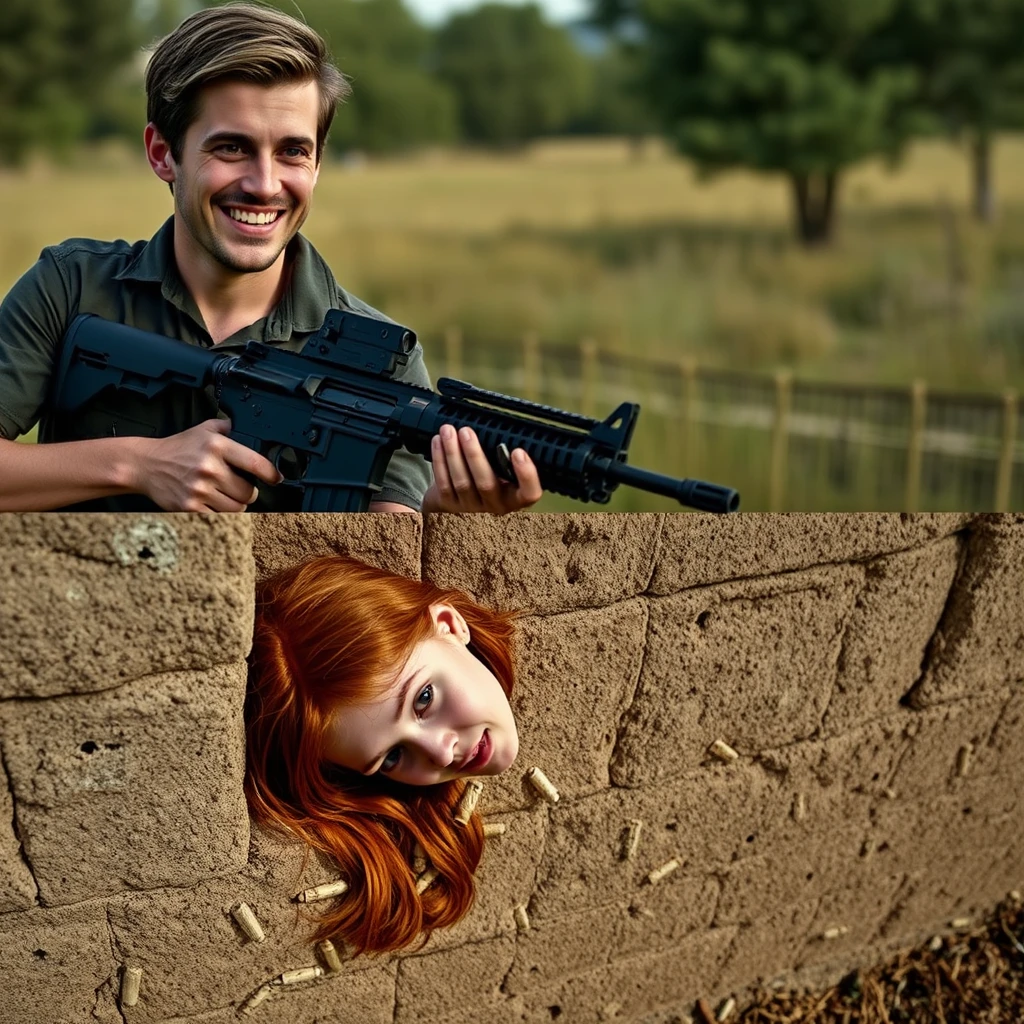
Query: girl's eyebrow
(400, 701)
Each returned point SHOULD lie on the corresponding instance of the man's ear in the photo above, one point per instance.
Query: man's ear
(449, 622)
(158, 152)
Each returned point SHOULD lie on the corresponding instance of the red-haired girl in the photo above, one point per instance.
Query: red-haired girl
(370, 696)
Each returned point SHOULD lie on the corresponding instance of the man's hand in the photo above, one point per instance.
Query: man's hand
(195, 471)
(465, 482)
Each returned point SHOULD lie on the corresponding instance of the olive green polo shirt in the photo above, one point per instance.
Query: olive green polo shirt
(139, 285)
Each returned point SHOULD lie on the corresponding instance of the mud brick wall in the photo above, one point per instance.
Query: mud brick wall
(867, 671)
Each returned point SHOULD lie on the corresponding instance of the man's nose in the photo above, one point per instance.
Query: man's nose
(260, 176)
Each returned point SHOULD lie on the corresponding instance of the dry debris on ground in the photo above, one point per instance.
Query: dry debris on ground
(975, 976)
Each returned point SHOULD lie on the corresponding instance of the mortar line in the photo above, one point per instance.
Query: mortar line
(15, 827)
(853, 560)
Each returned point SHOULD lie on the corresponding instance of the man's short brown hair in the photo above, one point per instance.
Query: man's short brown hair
(239, 42)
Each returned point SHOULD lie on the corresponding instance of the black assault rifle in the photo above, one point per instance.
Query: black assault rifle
(330, 416)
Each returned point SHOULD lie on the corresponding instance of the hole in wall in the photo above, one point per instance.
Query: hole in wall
(88, 747)
(39, 954)
(750, 839)
(703, 619)
(555, 1011)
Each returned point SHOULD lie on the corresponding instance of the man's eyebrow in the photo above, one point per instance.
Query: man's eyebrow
(241, 139)
(400, 700)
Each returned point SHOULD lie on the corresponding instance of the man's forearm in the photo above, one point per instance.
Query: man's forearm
(40, 477)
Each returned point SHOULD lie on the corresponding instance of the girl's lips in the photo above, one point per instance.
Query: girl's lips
(479, 760)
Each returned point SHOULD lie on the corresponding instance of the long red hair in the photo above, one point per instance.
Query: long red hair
(333, 631)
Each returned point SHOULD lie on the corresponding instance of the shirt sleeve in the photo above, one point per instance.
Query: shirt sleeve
(408, 476)
(33, 318)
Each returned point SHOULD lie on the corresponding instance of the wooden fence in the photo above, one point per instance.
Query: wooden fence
(786, 444)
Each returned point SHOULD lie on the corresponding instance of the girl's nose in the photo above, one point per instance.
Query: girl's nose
(439, 746)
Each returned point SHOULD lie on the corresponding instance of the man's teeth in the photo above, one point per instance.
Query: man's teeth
(253, 218)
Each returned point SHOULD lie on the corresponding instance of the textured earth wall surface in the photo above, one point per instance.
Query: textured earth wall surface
(784, 745)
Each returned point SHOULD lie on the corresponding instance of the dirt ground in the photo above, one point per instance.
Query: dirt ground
(975, 976)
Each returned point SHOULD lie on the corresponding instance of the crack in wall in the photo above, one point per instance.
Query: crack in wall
(118, 957)
(838, 666)
(16, 828)
(626, 716)
(932, 653)
(530, 899)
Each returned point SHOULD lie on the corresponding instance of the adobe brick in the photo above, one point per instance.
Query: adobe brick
(703, 819)
(578, 660)
(751, 663)
(543, 563)
(57, 965)
(388, 541)
(700, 549)
(133, 788)
(100, 600)
(452, 980)
(888, 633)
(637, 984)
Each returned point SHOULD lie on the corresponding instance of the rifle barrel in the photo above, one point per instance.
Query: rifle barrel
(697, 494)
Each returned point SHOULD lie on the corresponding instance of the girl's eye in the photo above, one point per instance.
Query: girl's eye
(425, 698)
(391, 759)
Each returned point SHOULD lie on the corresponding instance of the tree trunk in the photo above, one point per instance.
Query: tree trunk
(814, 198)
(984, 194)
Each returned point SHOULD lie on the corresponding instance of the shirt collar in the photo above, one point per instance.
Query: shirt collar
(310, 291)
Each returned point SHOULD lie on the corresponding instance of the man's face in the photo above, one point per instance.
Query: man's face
(244, 184)
(445, 717)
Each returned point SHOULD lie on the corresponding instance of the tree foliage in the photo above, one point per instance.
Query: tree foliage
(972, 72)
(798, 87)
(515, 75)
(396, 103)
(59, 59)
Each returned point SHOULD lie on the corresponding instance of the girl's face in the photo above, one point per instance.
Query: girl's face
(446, 716)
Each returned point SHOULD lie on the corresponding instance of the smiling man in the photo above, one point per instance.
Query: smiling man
(240, 101)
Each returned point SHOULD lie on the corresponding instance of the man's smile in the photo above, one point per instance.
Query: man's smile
(248, 217)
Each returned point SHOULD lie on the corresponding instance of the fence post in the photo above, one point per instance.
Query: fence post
(531, 366)
(1007, 450)
(780, 440)
(588, 376)
(688, 414)
(915, 444)
(453, 353)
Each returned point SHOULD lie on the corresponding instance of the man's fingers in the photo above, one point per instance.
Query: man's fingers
(485, 480)
(461, 478)
(529, 490)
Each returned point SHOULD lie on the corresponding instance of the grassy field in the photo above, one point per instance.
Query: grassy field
(629, 247)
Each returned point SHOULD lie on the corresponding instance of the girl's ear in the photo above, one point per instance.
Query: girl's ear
(448, 621)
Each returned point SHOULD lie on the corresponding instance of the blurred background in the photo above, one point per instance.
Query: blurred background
(792, 230)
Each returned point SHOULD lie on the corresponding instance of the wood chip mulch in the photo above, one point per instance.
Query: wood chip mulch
(974, 976)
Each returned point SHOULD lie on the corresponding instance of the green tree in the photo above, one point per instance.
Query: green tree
(515, 75)
(972, 74)
(57, 61)
(797, 87)
(396, 103)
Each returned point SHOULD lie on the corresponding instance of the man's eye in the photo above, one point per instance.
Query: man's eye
(230, 148)
(294, 152)
(391, 759)
(424, 698)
